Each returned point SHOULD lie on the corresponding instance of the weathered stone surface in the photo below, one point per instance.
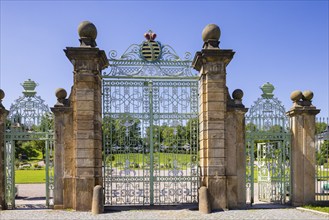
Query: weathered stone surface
(97, 203)
(79, 147)
(204, 205)
(211, 31)
(84, 105)
(3, 117)
(85, 94)
(232, 192)
(217, 193)
(303, 153)
(86, 29)
(83, 193)
(221, 128)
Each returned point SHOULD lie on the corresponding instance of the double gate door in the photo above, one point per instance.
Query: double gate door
(150, 128)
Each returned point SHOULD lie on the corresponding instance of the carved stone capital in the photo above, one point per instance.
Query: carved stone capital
(302, 110)
(212, 55)
(86, 59)
(58, 110)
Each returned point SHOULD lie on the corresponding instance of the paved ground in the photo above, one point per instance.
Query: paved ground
(31, 206)
(163, 213)
(31, 195)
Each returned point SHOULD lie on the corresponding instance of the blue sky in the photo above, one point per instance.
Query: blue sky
(282, 42)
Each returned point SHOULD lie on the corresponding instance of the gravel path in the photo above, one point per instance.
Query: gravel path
(252, 214)
(33, 195)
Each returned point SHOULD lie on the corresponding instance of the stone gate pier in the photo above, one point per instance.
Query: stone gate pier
(3, 117)
(221, 121)
(302, 121)
(78, 125)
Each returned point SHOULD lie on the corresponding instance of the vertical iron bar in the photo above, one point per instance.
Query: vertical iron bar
(13, 189)
(252, 172)
(283, 173)
(151, 144)
(5, 172)
(47, 170)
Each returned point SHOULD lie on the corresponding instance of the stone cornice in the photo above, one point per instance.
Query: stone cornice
(302, 110)
(60, 109)
(87, 53)
(211, 55)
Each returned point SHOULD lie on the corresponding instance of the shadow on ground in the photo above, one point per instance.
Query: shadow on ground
(193, 207)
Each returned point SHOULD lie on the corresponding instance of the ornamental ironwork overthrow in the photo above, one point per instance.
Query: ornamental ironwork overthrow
(29, 108)
(29, 119)
(267, 149)
(150, 126)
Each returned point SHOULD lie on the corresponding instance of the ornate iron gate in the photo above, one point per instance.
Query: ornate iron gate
(19, 134)
(150, 127)
(267, 150)
(322, 161)
(29, 119)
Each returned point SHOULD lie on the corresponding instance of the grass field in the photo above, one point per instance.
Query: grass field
(30, 176)
(318, 208)
(163, 159)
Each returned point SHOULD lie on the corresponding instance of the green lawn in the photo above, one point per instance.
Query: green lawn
(30, 176)
(318, 208)
(163, 159)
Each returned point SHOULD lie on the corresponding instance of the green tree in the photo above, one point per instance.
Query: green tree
(276, 128)
(251, 127)
(25, 148)
(122, 132)
(322, 155)
(46, 124)
(320, 127)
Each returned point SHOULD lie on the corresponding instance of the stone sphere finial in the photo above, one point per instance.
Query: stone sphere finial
(296, 95)
(86, 29)
(237, 94)
(2, 94)
(61, 93)
(307, 95)
(211, 32)
(88, 33)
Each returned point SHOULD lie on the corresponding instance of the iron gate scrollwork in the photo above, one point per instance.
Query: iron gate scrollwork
(150, 127)
(268, 150)
(29, 119)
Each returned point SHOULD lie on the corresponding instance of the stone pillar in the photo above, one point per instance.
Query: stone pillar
(211, 62)
(3, 117)
(63, 151)
(85, 100)
(235, 151)
(302, 121)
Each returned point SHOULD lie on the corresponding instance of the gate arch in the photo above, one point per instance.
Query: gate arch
(267, 150)
(150, 126)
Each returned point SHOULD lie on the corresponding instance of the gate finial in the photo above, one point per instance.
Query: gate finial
(150, 35)
(267, 89)
(87, 33)
(210, 36)
(29, 88)
(2, 95)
